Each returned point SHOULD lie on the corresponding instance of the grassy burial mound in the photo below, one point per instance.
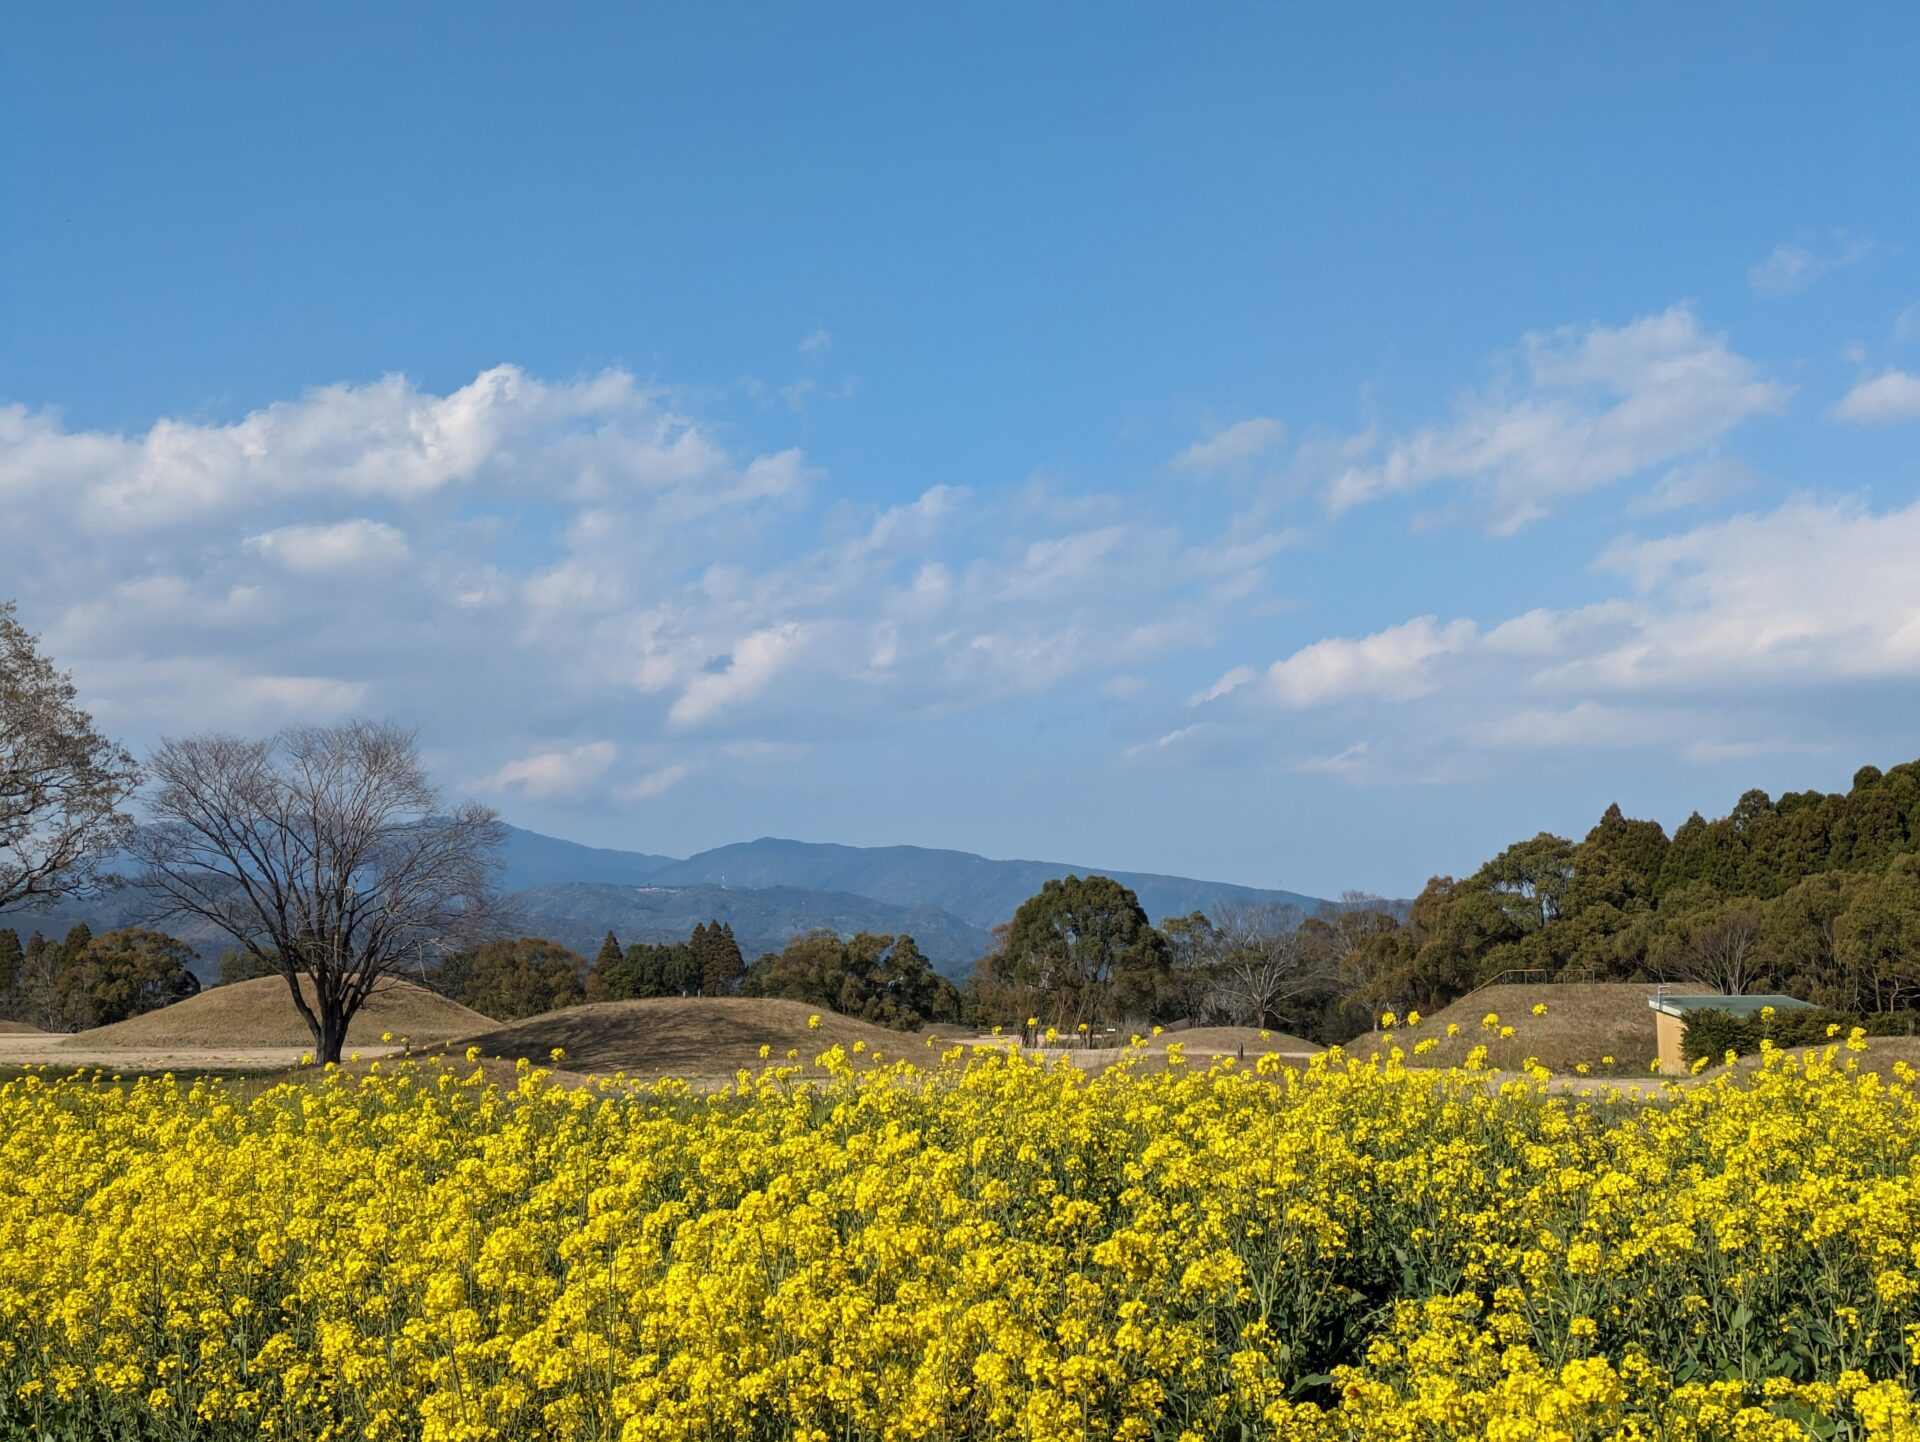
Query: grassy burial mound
(1585, 1023)
(688, 1036)
(260, 1013)
(19, 1028)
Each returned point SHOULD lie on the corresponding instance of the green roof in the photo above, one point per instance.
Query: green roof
(1736, 1005)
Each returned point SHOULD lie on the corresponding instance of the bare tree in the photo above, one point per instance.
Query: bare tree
(62, 783)
(325, 853)
(1264, 958)
(1719, 947)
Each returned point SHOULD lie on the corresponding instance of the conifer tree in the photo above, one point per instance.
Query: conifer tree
(609, 953)
(79, 938)
(721, 965)
(11, 958)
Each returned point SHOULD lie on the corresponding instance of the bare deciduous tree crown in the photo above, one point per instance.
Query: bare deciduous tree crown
(323, 851)
(62, 784)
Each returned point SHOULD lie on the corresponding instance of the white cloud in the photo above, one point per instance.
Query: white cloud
(1810, 593)
(756, 661)
(1355, 763)
(1171, 738)
(1235, 446)
(1792, 268)
(1695, 483)
(1395, 664)
(1236, 678)
(655, 783)
(1583, 726)
(1591, 408)
(558, 775)
(816, 341)
(1906, 325)
(387, 440)
(1795, 626)
(1884, 400)
(328, 550)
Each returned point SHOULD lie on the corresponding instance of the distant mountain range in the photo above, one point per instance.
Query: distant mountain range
(767, 890)
(949, 901)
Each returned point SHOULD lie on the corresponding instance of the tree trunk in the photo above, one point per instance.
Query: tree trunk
(330, 1035)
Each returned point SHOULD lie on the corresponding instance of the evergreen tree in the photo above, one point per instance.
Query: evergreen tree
(78, 939)
(12, 957)
(508, 980)
(698, 944)
(1083, 950)
(124, 974)
(609, 951)
(721, 964)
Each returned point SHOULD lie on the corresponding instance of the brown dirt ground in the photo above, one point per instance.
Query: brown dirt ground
(1200, 1045)
(1585, 1022)
(260, 1014)
(692, 1037)
(1223, 1040)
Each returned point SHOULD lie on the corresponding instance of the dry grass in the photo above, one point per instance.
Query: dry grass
(1585, 1023)
(260, 1013)
(20, 1028)
(700, 1038)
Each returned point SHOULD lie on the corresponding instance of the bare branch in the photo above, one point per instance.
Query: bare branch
(325, 850)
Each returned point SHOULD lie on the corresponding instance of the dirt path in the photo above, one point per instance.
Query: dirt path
(59, 1051)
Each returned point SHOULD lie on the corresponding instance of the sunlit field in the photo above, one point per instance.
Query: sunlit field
(980, 1246)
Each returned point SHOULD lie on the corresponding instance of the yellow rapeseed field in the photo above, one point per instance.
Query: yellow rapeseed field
(982, 1246)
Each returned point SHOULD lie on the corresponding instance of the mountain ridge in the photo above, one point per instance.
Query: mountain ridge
(982, 890)
(769, 889)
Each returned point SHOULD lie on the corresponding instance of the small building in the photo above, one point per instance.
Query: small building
(1670, 1020)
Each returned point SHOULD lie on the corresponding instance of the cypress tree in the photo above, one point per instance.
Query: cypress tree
(701, 948)
(79, 938)
(609, 953)
(723, 965)
(11, 956)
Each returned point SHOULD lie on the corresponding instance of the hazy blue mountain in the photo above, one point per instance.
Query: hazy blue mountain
(973, 888)
(770, 889)
(762, 918)
(535, 860)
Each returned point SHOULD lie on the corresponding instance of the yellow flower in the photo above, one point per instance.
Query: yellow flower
(1539, 1008)
(813, 1022)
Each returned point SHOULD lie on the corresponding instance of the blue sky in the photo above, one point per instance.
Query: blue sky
(1307, 446)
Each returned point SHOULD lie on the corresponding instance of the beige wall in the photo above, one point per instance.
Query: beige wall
(1668, 1033)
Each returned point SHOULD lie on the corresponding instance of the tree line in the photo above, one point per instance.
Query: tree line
(882, 979)
(324, 855)
(84, 980)
(1814, 894)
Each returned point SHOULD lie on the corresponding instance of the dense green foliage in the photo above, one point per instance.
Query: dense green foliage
(1079, 950)
(882, 979)
(707, 963)
(507, 980)
(1814, 894)
(86, 980)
